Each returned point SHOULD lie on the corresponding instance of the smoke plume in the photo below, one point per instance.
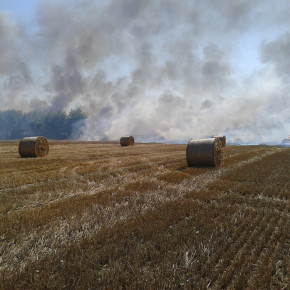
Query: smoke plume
(157, 70)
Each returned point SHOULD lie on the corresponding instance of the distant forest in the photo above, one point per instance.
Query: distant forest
(17, 124)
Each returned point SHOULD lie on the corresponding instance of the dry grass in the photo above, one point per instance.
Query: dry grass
(98, 215)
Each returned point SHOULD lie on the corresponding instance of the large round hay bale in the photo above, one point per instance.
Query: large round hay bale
(222, 139)
(204, 152)
(127, 140)
(33, 147)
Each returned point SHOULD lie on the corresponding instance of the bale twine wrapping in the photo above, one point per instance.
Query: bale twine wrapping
(33, 147)
(222, 139)
(127, 140)
(204, 152)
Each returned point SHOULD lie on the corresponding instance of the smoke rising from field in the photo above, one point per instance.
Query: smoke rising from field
(158, 70)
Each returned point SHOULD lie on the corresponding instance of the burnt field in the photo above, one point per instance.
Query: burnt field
(98, 215)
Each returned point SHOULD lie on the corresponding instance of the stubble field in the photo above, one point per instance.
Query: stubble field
(97, 215)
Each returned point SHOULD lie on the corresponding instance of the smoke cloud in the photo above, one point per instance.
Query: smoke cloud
(158, 70)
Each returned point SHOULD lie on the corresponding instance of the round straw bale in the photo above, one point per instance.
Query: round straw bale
(33, 147)
(204, 152)
(127, 140)
(222, 139)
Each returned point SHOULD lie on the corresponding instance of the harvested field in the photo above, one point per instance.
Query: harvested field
(97, 215)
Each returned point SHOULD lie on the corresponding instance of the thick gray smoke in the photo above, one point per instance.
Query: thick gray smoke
(159, 70)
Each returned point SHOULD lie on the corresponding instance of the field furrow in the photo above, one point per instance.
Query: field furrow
(98, 215)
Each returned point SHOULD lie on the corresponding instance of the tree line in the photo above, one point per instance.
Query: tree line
(58, 125)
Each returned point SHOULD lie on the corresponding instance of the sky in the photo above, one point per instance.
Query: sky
(19, 10)
(158, 70)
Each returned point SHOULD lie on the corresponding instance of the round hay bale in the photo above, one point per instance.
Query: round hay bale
(222, 139)
(33, 147)
(127, 140)
(204, 152)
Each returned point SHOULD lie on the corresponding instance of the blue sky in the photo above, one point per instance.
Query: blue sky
(23, 10)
